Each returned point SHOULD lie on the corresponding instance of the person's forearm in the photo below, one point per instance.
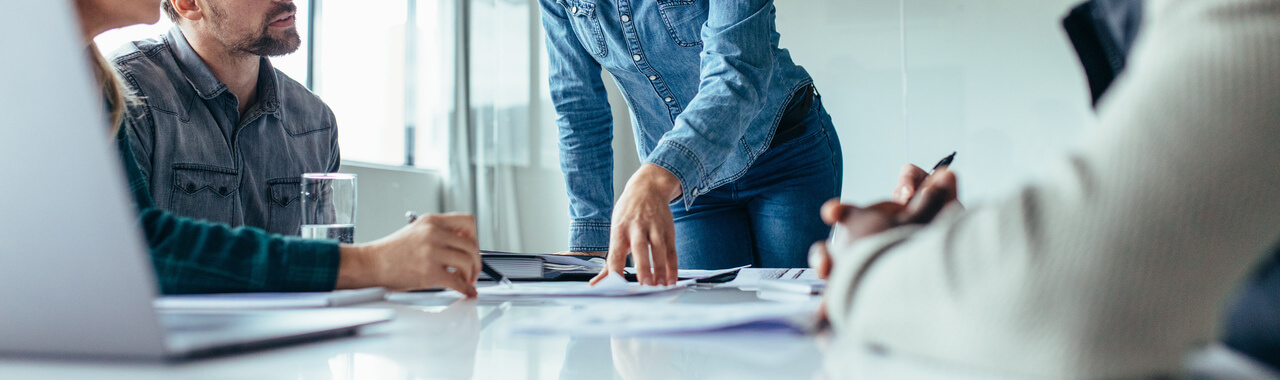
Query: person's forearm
(357, 268)
(653, 178)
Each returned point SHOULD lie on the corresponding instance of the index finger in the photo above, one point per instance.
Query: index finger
(463, 224)
(616, 261)
(939, 192)
(909, 180)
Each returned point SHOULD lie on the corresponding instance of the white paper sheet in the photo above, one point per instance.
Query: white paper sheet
(749, 278)
(621, 319)
(611, 286)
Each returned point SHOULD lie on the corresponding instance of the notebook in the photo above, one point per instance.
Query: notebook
(540, 267)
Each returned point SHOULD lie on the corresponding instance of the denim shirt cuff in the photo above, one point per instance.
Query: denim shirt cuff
(685, 165)
(589, 236)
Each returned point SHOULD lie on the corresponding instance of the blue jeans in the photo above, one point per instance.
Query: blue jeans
(769, 217)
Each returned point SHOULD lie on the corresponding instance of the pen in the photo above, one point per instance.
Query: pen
(946, 161)
(493, 273)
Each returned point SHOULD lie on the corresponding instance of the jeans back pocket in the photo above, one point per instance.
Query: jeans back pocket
(684, 19)
(205, 192)
(586, 25)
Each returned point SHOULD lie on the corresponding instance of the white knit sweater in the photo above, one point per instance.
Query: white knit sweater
(1122, 261)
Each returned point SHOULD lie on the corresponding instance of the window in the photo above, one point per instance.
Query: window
(373, 58)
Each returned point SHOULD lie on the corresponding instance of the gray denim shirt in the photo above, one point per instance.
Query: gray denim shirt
(202, 158)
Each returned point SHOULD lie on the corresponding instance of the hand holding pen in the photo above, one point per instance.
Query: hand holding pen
(488, 270)
(919, 198)
(436, 251)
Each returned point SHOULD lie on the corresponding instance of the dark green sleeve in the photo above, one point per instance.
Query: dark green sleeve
(197, 256)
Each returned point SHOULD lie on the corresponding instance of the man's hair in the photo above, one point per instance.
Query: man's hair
(168, 10)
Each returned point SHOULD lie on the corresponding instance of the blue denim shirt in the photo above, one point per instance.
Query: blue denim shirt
(205, 160)
(705, 80)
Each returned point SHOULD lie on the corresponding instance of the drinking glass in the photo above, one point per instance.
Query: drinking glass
(329, 206)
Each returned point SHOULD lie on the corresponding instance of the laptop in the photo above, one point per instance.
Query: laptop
(75, 275)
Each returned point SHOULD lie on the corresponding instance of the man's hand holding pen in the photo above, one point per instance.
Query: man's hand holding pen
(434, 251)
(918, 199)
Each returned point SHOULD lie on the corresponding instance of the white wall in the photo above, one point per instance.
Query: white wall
(995, 80)
(384, 193)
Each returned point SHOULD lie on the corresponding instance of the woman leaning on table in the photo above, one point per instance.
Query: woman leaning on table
(195, 256)
(738, 152)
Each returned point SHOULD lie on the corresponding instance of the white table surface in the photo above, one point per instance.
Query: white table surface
(439, 337)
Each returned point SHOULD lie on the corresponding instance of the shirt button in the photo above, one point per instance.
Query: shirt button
(636, 57)
(653, 77)
(668, 99)
(573, 10)
(223, 191)
(191, 187)
(626, 18)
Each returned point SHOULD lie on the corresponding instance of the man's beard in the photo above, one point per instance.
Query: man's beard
(263, 44)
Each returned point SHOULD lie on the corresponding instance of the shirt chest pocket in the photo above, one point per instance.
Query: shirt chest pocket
(684, 19)
(205, 192)
(586, 25)
(285, 211)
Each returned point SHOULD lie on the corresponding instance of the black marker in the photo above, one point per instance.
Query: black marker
(484, 267)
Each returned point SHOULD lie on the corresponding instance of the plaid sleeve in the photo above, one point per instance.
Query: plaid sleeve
(196, 256)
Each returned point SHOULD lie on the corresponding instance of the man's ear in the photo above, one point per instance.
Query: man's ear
(191, 10)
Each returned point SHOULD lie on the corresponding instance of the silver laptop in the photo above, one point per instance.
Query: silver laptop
(75, 276)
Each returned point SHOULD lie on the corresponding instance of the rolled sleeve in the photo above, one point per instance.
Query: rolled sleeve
(683, 163)
(589, 236)
(736, 69)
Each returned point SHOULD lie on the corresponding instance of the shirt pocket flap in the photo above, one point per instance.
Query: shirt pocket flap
(579, 8)
(285, 191)
(194, 178)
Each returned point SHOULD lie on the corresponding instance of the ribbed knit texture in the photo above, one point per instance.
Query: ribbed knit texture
(1122, 261)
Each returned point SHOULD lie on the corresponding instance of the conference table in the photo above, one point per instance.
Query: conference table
(441, 336)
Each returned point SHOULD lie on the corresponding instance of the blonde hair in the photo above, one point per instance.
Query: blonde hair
(112, 88)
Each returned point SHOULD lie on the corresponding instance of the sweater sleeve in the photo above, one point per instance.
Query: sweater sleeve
(1122, 259)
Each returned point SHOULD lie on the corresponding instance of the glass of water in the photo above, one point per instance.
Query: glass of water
(329, 206)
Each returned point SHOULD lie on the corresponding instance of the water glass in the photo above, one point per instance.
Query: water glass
(329, 206)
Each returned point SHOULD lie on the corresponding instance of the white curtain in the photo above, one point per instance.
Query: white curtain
(493, 140)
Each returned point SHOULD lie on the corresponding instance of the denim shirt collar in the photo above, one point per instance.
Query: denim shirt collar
(208, 86)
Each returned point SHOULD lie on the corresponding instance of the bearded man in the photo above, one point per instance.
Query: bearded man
(219, 133)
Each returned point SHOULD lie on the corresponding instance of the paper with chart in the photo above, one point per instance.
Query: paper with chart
(611, 286)
(624, 319)
(749, 278)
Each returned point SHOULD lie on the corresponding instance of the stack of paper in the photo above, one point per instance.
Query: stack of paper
(529, 266)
